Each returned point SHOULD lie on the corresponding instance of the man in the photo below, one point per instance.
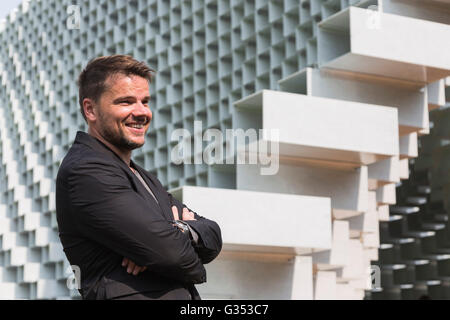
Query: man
(116, 221)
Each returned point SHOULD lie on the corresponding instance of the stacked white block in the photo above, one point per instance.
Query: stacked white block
(273, 228)
(297, 118)
(387, 45)
(360, 76)
(325, 146)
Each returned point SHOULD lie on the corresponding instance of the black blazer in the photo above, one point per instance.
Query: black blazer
(104, 214)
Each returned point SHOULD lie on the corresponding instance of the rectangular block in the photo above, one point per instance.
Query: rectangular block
(348, 189)
(367, 222)
(325, 286)
(347, 292)
(409, 99)
(302, 282)
(355, 269)
(383, 213)
(8, 290)
(338, 255)
(408, 146)
(320, 128)
(386, 194)
(386, 45)
(436, 94)
(267, 222)
(404, 169)
(432, 10)
(243, 279)
(383, 172)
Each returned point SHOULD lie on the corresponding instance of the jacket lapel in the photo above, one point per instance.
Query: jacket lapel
(144, 193)
(160, 193)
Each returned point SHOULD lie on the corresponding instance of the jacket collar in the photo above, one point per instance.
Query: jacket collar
(94, 143)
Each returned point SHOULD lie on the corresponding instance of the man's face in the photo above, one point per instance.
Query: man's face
(123, 112)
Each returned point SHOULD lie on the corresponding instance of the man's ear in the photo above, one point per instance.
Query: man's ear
(90, 109)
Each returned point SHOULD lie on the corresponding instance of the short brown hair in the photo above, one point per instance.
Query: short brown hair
(91, 82)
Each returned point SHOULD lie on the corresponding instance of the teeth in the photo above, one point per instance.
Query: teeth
(137, 126)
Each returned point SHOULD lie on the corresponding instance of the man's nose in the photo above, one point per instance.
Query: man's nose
(142, 110)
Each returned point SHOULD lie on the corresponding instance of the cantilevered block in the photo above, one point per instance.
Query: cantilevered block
(338, 255)
(244, 279)
(43, 236)
(264, 222)
(383, 172)
(404, 169)
(408, 146)
(321, 129)
(46, 288)
(386, 194)
(366, 222)
(355, 268)
(371, 239)
(31, 221)
(387, 45)
(325, 286)
(55, 252)
(436, 94)
(31, 272)
(409, 98)
(433, 10)
(371, 254)
(346, 292)
(348, 189)
(302, 280)
(9, 240)
(18, 256)
(8, 290)
(383, 213)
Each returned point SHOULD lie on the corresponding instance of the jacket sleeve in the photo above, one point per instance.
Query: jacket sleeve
(210, 239)
(111, 213)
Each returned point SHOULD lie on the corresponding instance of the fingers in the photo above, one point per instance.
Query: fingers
(188, 215)
(175, 213)
(137, 269)
(132, 267)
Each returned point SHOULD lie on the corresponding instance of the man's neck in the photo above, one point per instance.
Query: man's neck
(125, 155)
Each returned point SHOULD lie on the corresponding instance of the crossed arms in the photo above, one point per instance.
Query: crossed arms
(111, 213)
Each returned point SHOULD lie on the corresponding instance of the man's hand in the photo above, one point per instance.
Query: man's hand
(187, 215)
(132, 267)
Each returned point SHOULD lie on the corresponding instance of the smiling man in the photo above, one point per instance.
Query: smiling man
(116, 221)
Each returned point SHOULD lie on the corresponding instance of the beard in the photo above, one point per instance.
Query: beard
(118, 139)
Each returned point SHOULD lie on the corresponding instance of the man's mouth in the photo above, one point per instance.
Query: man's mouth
(135, 125)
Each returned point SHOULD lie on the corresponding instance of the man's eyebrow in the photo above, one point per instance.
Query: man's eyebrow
(123, 98)
(117, 100)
